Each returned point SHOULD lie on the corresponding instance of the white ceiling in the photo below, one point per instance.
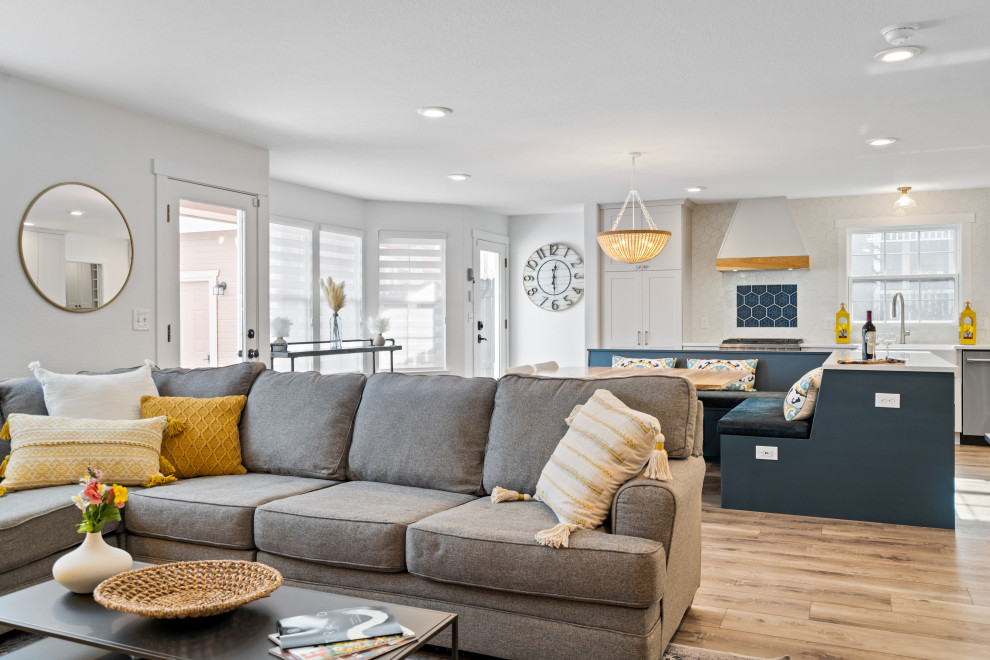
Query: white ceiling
(751, 99)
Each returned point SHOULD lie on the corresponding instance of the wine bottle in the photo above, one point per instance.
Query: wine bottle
(869, 337)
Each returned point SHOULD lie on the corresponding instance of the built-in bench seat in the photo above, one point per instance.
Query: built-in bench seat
(776, 372)
(762, 417)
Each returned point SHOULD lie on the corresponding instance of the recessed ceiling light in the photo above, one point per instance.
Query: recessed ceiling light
(77, 212)
(695, 189)
(900, 54)
(881, 141)
(434, 111)
(29, 224)
(458, 177)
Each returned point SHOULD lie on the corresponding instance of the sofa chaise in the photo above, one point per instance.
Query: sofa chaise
(377, 487)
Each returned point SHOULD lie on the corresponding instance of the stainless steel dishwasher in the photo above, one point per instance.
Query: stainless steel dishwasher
(976, 392)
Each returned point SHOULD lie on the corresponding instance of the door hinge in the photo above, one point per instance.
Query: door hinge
(506, 324)
(168, 213)
(256, 202)
(506, 262)
(169, 332)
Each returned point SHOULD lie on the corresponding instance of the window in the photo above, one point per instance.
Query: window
(921, 262)
(294, 292)
(412, 287)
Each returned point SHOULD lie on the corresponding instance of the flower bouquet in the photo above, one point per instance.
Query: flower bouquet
(94, 561)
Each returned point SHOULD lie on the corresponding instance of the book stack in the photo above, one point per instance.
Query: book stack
(353, 633)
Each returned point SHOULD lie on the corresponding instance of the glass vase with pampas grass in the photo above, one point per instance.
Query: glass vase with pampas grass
(334, 293)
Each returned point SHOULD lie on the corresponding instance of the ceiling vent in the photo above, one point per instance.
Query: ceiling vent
(762, 236)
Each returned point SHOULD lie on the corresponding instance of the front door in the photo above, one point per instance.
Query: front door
(214, 230)
(489, 332)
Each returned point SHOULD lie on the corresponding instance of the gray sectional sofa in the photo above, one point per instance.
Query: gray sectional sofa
(377, 487)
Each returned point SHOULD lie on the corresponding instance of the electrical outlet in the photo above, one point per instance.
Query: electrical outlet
(704, 322)
(766, 453)
(140, 319)
(885, 400)
(829, 324)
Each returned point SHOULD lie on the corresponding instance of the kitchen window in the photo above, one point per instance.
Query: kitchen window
(412, 294)
(921, 262)
(299, 253)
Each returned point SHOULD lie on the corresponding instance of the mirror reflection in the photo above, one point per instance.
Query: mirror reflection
(76, 247)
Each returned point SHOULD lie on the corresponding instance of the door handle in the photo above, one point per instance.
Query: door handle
(977, 359)
(647, 335)
(638, 333)
(481, 325)
(252, 353)
(250, 334)
(481, 339)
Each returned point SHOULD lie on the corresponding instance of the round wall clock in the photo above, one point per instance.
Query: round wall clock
(553, 277)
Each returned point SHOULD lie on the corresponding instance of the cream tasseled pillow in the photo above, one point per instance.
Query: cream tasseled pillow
(607, 444)
(51, 451)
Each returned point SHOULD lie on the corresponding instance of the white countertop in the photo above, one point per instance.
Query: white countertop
(834, 347)
(916, 361)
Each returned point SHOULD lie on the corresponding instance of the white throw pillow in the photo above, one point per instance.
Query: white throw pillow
(105, 396)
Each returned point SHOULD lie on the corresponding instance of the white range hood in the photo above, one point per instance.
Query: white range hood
(762, 236)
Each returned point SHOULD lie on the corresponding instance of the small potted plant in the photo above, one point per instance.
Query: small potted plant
(378, 326)
(94, 561)
(280, 328)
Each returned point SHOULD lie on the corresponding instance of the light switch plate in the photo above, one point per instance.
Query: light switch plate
(766, 453)
(887, 400)
(141, 319)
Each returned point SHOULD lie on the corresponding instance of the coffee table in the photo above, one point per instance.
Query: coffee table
(79, 628)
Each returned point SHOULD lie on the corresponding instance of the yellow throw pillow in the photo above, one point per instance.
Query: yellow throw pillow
(607, 444)
(52, 451)
(210, 443)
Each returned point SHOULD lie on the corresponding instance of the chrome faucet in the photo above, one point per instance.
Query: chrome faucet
(893, 311)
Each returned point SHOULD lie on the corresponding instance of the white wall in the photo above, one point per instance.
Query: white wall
(537, 335)
(818, 288)
(50, 137)
(289, 200)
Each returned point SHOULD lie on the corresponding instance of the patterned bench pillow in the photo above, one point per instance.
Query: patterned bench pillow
(745, 384)
(643, 363)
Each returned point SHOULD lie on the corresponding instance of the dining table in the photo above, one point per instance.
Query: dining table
(703, 379)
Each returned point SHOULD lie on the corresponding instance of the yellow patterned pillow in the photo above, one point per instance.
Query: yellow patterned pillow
(51, 451)
(210, 443)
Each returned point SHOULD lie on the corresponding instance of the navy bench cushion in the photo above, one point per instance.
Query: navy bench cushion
(729, 399)
(763, 417)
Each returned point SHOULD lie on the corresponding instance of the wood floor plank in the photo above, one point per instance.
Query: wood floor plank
(767, 646)
(941, 610)
(752, 602)
(703, 615)
(912, 624)
(980, 597)
(862, 639)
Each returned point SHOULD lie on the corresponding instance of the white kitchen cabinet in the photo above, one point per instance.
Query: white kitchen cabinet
(643, 309)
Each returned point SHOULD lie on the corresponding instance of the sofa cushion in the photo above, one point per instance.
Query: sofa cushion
(208, 382)
(372, 517)
(762, 418)
(424, 431)
(216, 511)
(38, 523)
(800, 400)
(729, 399)
(492, 546)
(530, 413)
(209, 443)
(300, 423)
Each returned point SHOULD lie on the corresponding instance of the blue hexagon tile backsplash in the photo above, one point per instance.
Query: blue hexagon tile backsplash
(766, 306)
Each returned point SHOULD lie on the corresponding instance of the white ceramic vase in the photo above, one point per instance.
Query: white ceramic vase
(91, 563)
(379, 339)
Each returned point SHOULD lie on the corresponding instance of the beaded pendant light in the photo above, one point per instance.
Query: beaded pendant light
(633, 246)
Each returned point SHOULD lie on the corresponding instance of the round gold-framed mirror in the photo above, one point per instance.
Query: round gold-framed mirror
(76, 247)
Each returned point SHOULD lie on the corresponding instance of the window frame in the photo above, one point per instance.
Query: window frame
(316, 293)
(963, 223)
(386, 234)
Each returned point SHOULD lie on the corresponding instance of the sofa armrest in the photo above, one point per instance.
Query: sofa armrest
(668, 512)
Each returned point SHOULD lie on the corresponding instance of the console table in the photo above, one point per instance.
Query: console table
(364, 346)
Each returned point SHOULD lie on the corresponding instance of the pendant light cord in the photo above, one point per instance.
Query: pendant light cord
(634, 197)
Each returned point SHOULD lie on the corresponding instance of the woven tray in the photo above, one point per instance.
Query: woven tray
(188, 588)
